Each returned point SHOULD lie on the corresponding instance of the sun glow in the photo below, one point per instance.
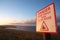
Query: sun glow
(6, 21)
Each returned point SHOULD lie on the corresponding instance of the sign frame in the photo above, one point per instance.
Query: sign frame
(54, 19)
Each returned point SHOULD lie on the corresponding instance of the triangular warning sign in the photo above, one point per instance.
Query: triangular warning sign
(44, 27)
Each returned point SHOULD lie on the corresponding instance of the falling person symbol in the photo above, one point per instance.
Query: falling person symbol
(43, 27)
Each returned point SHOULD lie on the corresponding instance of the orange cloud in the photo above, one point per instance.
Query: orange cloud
(28, 22)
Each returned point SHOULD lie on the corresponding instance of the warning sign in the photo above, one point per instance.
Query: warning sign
(44, 27)
(46, 20)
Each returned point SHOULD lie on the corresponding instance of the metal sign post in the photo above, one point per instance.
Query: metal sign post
(44, 37)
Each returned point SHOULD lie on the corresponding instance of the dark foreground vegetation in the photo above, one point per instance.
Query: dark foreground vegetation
(7, 34)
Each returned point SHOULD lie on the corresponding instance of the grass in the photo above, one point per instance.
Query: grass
(7, 34)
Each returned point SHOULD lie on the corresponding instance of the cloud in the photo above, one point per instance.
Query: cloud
(28, 22)
(58, 23)
(58, 19)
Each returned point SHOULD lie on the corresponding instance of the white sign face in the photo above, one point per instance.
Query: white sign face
(46, 20)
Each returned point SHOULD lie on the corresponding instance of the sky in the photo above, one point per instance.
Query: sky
(12, 11)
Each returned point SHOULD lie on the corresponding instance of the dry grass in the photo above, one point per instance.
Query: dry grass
(6, 34)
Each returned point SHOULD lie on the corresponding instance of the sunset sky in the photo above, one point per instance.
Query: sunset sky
(18, 10)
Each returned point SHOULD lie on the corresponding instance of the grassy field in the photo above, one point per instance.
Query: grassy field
(7, 34)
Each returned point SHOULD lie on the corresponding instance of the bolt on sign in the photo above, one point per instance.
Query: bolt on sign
(46, 20)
